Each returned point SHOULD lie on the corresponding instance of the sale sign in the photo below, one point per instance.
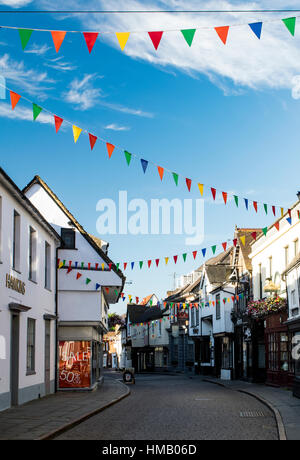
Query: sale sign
(74, 364)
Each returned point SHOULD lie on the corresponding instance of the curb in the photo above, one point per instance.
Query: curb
(83, 418)
(278, 418)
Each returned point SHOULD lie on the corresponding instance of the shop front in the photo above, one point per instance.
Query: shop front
(294, 331)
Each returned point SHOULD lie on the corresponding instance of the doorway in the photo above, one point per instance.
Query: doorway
(14, 359)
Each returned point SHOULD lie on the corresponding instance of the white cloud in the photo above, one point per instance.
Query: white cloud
(296, 87)
(116, 127)
(32, 81)
(82, 94)
(39, 50)
(23, 113)
(15, 3)
(128, 110)
(245, 61)
(58, 63)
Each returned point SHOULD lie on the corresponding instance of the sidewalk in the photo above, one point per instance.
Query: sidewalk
(284, 405)
(40, 418)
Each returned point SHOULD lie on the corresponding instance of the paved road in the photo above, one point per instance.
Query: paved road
(179, 408)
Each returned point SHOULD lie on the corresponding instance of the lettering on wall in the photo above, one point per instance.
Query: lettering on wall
(15, 284)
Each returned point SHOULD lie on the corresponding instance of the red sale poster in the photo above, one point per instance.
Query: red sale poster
(74, 364)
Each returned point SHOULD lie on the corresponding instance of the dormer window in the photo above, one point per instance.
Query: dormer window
(68, 238)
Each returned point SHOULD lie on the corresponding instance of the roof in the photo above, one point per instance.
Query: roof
(219, 268)
(140, 314)
(26, 203)
(146, 299)
(93, 241)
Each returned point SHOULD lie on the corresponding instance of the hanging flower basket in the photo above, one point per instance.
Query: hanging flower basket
(260, 308)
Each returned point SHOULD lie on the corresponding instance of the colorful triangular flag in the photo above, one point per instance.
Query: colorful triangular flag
(127, 156)
(122, 38)
(92, 140)
(188, 35)
(14, 98)
(90, 39)
(110, 149)
(57, 121)
(36, 110)
(144, 165)
(76, 133)
(155, 38)
(58, 37)
(256, 28)
(223, 33)
(25, 35)
(290, 24)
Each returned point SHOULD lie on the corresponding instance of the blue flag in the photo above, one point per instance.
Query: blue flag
(144, 164)
(256, 28)
(203, 252)
(246, 203)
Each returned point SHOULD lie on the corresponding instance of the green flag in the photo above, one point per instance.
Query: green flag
(175, 177)
(184, 257)
(127, 156)
(82, 264)
(213, 248)
(266, 208)
(265, 230)
(87, 281)
(188, 35)
(141, 263)
(290, 24)
(24, 36)
(36, 111)
(236, 199)
(118, 265)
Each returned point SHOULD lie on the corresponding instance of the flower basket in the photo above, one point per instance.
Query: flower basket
(261, 308)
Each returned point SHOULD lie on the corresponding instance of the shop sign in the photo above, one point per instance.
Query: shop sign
(15, 284)
(74, 364)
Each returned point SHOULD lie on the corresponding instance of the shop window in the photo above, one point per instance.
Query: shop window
(218, 307)
(68, 238)
(279, 356)
(226, 353)
(30, 345)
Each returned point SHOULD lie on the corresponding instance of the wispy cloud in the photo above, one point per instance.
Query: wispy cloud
(82, 95)
(245, 61)
(24, 113)
(128, 110)
(15, 3)
(60, 64)
(37, 49)
(116, 127)
(32, 81)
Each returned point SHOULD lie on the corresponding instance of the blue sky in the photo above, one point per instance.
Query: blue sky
(227, 116)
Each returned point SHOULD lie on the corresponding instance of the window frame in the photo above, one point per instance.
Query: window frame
(30, 346)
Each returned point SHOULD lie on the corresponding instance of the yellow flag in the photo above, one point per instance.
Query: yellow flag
(200, 189)
(61, 264)
(76, 133)
(122, 38)
(102, 265)
(281, 212)
(243, 238)
(166, 260)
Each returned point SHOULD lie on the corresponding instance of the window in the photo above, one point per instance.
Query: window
(218, 307)
(68, 238)
(227, 358)
(192, 311)
(159, 328)
(32, 254)
(16, 241)
(279, 353)
(286, 256)
(47, 265)
(197, 316)
(296, 247)
(152, 328)
(30, 345)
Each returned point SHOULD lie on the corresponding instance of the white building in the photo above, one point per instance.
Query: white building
(27, 298)
(88, 281)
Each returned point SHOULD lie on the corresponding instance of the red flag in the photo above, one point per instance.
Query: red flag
(274, 211)
(137, 300)
(255, 205)
(224, 246)
(157, 262)
(78, 276)
(222, 32)
(90, 38)
(213, 191)
(14, 98)
(92, 140)
(58, 121)
(224, 197)
(277, 225)
(232, 298)
(96, 266)
(253, 234)
(69, 270)
(194, 254)
(188, 184)
(160, 172)
(125, 265)
(109, 266)
(58, 37)
(155, 38)
(107, 290)
(175, 258)
(235, 242)
(149, 263)
(290, 213)
(110, 149)
(89, 265)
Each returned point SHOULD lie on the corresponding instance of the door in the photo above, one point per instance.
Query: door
(218, 356)
(47, 355)
(14, 360)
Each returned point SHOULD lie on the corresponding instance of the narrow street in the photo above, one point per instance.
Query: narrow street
(179, 408)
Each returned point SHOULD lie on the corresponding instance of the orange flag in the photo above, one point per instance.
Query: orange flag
(224, 197)
(58, 37)
(222, 32)
(110, 149)
(14, 97)
(160, 172)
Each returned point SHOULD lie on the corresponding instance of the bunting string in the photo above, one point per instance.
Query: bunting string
(90, 37)
(77, 131)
